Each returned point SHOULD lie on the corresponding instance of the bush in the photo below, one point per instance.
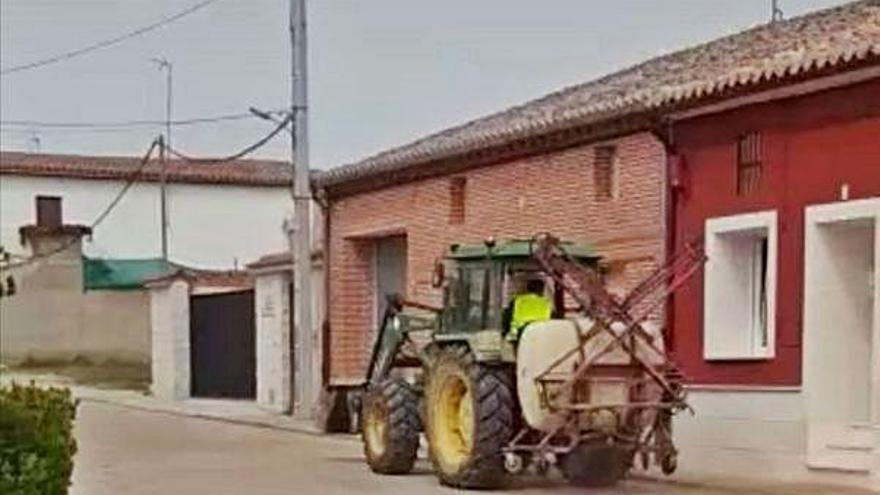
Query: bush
(36, 440)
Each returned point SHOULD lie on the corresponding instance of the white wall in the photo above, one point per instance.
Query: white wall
(211, 226)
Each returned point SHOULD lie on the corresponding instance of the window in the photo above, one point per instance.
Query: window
(605, 172)
(471, 299)
(457, 192)
(748, 163)
(48, 211)
(740, 287)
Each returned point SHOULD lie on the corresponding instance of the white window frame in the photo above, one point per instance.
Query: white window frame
(716, 310)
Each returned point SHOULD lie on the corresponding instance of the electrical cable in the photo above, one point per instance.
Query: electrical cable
(136, 174)
(244, 152)
(108, 42)
(129, 123)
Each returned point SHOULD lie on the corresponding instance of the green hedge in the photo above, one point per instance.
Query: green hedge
(36, 440)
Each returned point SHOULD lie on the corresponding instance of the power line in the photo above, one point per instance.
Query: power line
(128, 123)
(55, 131)
(136, 174)
(244, 152)
(108, 42)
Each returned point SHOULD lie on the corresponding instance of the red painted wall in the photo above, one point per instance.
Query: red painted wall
(812, 145)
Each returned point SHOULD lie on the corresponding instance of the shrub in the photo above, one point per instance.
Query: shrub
(36, 440)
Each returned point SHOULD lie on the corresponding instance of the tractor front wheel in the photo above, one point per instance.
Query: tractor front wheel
(390, 428)
(469, 410)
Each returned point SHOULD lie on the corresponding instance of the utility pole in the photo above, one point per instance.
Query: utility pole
(307, 376)
(165, 65)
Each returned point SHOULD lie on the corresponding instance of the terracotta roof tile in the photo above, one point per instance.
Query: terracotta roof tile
(770, 52)
(241, 172)
(272, 260)
(204, 278)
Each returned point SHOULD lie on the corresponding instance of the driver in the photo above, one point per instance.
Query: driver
(528, 306)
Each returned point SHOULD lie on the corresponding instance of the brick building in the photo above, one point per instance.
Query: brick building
(387, 239)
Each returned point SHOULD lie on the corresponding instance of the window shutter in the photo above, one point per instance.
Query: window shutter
(748, 163)
(603, 172)
(457, 193)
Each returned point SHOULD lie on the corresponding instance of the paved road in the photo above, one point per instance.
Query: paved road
(134, 452)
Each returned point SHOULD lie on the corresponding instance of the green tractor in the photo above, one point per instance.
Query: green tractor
(589, 389)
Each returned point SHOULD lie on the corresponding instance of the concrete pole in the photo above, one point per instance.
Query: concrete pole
(306, 359)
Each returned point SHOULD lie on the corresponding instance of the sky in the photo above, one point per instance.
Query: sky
(381, 72)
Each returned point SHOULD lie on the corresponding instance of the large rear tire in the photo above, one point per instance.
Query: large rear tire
(390, 427)
(469, 410)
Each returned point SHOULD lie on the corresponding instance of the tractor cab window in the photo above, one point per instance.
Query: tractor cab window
(471, 299)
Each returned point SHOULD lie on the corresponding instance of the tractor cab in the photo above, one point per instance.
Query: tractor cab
(480, 283)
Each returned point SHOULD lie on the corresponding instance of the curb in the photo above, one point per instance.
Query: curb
(304, 430)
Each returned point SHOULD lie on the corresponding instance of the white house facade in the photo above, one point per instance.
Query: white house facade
(219, 215)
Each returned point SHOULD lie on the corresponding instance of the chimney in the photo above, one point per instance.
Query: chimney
(50, 236)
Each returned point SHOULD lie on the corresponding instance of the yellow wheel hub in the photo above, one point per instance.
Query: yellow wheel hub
(374, 428)
(454, 422)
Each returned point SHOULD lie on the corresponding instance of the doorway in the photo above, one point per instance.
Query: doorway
(223, 345)
(842, 334)
(390, 272)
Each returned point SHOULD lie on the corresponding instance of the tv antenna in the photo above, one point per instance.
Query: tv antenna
(776, 14)
(34, 142)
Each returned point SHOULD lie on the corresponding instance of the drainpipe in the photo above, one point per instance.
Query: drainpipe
(323, 201)
(664, 132)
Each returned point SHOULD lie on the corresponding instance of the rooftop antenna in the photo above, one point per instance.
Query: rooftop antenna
(34, 142)
(776, 15)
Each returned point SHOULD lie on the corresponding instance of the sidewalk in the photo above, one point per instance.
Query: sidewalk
(229, 411)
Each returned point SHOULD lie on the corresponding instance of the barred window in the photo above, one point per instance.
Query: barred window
(605, 172)
(457, 192)
(748, 163)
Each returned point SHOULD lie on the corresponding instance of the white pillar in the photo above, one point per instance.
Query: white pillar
(169, 317)
(272, 307)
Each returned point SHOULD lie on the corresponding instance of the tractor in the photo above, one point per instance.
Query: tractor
(590, 390)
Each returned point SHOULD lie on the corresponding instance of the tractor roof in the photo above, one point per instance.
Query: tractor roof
(516, 249)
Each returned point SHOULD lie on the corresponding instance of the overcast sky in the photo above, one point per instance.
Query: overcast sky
(382, 72)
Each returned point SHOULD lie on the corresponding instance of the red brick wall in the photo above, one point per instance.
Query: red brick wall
(812, 145)
(551, 192)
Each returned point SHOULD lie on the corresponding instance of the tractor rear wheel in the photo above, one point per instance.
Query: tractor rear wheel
(390, 427)
(469, 411)
(595, 464)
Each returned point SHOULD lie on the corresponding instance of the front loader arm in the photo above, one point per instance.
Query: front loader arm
(393, 333)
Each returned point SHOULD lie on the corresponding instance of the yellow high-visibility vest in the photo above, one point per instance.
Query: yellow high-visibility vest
(526, 309)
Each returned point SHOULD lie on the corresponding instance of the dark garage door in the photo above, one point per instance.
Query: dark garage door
(223, 345)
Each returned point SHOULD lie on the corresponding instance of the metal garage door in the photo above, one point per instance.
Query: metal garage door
(390, 271)
(222, 345)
